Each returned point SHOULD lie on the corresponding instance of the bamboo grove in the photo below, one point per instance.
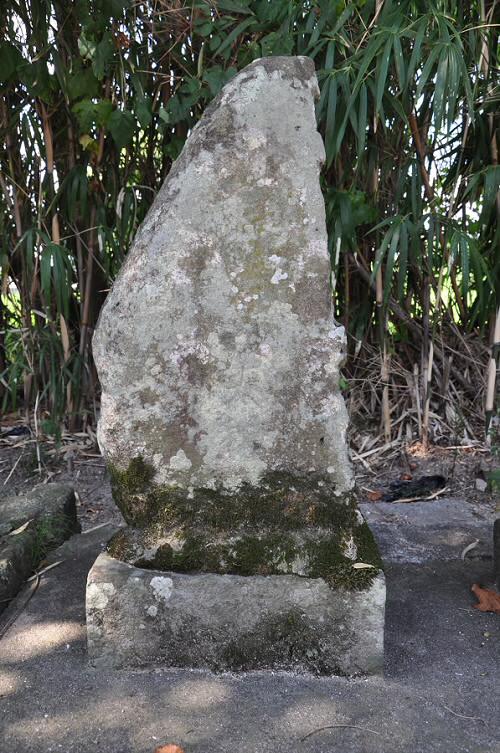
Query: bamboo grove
(97, 98)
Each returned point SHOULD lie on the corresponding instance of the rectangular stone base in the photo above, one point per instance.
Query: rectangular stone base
(139, 618)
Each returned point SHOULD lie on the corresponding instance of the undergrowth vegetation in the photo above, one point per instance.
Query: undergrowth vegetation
(97, 99)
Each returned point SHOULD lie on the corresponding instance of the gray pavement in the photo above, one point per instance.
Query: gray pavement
(440, 691)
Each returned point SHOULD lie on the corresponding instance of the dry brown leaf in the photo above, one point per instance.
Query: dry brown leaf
(489, 601)
(374, 496)
(405, 477)
(169, 748)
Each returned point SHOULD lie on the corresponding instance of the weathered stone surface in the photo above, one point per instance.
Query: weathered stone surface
(140, 618)
(30, 524)
(216, 348)
(426, 531)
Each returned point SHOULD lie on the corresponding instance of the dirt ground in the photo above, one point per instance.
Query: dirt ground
(76, 463)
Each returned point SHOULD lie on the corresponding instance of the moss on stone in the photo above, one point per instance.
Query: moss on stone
(162, 560)
(367, 546)
(130, 489)
(321, 556)
(328, 562)
(119, 546)
(252, 531)
(262, 555)
(48, 531)
(283, 500)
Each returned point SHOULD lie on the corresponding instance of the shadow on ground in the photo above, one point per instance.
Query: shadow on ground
(439, 692)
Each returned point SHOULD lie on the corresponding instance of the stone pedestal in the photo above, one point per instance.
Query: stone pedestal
(138, 617)
(222, 423)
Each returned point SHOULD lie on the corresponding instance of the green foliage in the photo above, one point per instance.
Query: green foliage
(98, 96)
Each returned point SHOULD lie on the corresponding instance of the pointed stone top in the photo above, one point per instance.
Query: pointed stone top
(217, 349)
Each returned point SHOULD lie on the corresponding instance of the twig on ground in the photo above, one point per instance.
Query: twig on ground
(465, 447)
(336, 726)
(463, 716)
(89, 464)
(361, 460)
(44, 570)
(384, 447)
(13, 468)
(95, 528)
(421, 499)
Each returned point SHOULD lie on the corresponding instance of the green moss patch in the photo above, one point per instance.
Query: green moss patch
(328, 561)
(132, 490)
(287, 520)
(319, 555)
(285, 501)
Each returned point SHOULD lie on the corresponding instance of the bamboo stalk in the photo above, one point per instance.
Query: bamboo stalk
(56, 238)
(417, 398)
(412, 325)
(495, 339)
(491, 377)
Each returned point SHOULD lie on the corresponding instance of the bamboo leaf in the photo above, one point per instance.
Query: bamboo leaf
(240, 28)
(382, 72)
(362, 119)
(426, 72)
(46, 273)
(400, 63)
(330, 56)
(439, 91)
(403, 260)
(416, 52)
(390, 262)
(464, 259)
(331, 111)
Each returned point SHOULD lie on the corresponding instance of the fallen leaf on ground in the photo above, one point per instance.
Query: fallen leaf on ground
(362, 566)
(489, 601)
(406, 477)
(169, 748)
(374, 496)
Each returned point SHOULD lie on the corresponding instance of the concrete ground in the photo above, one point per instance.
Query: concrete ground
(440, 691)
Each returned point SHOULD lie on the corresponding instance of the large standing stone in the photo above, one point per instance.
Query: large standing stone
(222, 421)
(216, 348)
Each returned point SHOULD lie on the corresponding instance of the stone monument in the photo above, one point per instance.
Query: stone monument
(222, 423)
